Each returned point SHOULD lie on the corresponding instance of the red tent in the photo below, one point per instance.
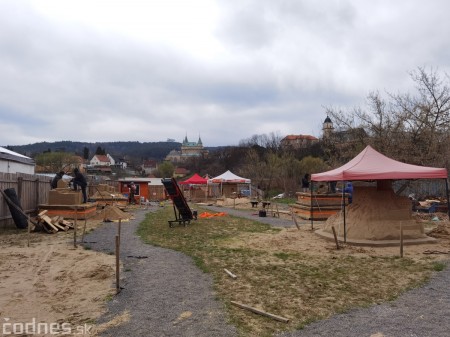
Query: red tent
(194, 180)
(372, 165)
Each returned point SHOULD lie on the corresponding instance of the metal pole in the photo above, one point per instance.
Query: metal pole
(312, 207)
(448, 201)
(345, 224)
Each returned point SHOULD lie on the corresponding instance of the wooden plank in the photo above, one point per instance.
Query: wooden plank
(60, 227)
(261, 312)
(42, 213)
(66, 223)
(230, 273)
(48, 221)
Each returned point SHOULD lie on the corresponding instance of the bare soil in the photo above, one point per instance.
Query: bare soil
(51, 281)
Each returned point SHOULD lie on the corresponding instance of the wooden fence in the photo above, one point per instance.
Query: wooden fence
(32, 191)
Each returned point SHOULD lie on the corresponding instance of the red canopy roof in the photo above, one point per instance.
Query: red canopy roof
(194, 180)
(372, 165)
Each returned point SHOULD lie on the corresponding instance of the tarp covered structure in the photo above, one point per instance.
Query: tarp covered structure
(229, 177)
(194, 180)
(372, 165)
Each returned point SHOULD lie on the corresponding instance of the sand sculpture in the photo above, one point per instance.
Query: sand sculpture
(376, 214)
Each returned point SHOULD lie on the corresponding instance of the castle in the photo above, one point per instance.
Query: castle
(188, 150)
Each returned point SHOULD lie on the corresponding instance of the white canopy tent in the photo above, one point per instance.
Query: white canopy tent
(230, 179)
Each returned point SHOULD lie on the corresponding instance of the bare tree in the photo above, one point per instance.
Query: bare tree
(410, 128)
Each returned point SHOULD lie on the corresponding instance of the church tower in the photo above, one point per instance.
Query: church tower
(327, 127)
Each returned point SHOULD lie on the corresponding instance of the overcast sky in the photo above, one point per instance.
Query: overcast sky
(90, 70)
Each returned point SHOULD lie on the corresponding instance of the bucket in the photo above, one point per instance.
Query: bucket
(262, 213)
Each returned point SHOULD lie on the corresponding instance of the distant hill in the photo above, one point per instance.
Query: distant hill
(155, 150)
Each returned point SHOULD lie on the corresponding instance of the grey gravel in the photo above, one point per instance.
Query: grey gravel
(421, 312)
(160, 285)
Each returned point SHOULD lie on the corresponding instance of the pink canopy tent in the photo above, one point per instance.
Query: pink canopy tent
(372, 165)
(194, 180)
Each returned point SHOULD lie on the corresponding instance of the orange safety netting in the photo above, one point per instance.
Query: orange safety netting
(211, 215)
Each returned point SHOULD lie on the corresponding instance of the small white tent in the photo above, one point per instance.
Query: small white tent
(13, 162)
(229, 177)
(231, 183)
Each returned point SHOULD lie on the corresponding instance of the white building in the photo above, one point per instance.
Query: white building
(13, 162)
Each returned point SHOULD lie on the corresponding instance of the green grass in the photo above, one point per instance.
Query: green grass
(300, 286)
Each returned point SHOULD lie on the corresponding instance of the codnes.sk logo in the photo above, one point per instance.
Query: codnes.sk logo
(43, 328)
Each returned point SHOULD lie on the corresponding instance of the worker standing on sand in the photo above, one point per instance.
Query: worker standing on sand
(80, 180)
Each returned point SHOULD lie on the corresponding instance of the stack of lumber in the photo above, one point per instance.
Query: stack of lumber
(53, 225)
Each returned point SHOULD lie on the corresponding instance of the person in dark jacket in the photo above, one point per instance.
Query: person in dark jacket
(305, 183)
(58, 176)
(80, 180)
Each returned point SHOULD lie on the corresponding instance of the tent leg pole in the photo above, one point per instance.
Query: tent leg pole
(345, 225)
(312, 208)
(448, 201)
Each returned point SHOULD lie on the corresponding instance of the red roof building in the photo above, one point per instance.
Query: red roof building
(298, 141)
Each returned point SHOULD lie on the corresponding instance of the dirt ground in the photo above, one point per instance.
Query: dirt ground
(51, 286)
(53, 282)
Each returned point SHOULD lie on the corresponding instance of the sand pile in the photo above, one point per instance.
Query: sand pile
(441, 231)
(376, 215)
(52, 282)
(238, 202)
(111, 213)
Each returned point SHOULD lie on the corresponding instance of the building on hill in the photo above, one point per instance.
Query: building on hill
(149, 166)
(101, 160)
(180, 172)
(100, 164)
(348, 136)
(298, 141)
(188, 150)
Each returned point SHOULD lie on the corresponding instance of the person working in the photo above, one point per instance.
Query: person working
(305, 183)
(349, 190)
(58, 176)
(80, 180)
(131, 199)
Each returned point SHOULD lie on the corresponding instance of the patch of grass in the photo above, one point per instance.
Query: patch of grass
(282, 256)
(439, 266)
(109, 297)
(301, 286)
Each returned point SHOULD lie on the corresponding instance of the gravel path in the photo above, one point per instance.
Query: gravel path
(164, 292)
(421, 312)
(166, 286)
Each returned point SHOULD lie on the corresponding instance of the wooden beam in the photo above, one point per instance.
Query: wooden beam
(230, 274)
(261, 312)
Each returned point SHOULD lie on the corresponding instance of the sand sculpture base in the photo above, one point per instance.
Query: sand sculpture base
(323, 205)
(374, 218)
(84, 211)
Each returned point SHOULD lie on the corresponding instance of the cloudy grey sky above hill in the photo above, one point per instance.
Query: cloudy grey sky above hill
(113, 70)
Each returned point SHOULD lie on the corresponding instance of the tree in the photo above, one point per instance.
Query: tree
(165, 170)
(86, 153)
(56, 161)
(413, 128)
(100, 151)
